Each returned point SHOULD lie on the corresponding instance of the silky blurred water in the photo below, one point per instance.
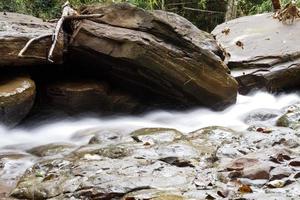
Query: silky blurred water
(184, 121)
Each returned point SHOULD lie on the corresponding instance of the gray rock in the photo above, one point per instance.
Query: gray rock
(291, 118)
(156, 135)
(52, 149)
(261, 115)
(262, 52)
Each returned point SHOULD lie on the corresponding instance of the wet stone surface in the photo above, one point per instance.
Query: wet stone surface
(261, 162)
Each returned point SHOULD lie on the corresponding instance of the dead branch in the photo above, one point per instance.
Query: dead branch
(55, 38)
(68, 13)
(21, 53)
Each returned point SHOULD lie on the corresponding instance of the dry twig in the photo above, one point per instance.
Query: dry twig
(68, 13)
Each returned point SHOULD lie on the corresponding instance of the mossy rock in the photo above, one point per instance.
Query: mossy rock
(291, 118)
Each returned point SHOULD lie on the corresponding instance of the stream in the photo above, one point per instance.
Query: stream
(184, 121)
(238, 153)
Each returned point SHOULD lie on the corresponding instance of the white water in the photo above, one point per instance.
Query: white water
(184, 121)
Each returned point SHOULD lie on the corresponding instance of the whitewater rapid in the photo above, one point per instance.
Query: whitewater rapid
(184, 121)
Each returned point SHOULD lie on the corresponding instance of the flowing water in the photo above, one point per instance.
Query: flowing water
(184, 121)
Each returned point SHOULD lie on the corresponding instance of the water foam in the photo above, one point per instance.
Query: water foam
(184, 121)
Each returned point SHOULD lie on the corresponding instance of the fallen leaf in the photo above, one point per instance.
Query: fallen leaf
(239, 44)
(264, 130)
(147, 144)
(226, 31)
(245, 189)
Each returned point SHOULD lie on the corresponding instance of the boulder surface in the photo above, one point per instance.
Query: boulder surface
(16, 99)
(157, 51)
(263, 52)
(16, 30)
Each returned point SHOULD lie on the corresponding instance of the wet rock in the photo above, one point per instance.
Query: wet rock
(259, 171)
(103, 136)
(269, 57)
(279, 183)
(280, 173)
(13, 154)
(242, 163)
(156, 135)
(95, 140)
(261, 115)
(16, 30)
(175, 168)
(4, 192)
(115, 151)
(16, 99)
(105, 178)
(89, 96)
(180, 149)
(275, 137)
(295, 163)
(159, 52)
(212, 142)
(106, 134)
(13, 164)
(291, 118)
(215, 134)
(179, 162)
(52, 149)
(154, 194)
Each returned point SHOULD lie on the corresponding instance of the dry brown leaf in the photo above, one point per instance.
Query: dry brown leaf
(245, 189)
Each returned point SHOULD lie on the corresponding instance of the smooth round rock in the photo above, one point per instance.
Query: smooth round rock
(16, 99)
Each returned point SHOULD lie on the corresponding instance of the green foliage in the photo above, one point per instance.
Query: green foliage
(249, 7)
(48, 9)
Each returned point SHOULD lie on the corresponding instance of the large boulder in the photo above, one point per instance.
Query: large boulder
(157, 51)
(263, 52)
(16, 30)
(16, 99)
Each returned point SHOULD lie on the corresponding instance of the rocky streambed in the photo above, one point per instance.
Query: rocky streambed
(118, 159)
(107, 72)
